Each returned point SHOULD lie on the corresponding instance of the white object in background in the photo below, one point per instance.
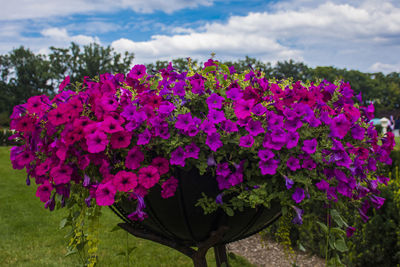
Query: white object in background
(385, 123)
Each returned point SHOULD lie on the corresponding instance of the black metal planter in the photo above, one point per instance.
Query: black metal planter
(177, 223)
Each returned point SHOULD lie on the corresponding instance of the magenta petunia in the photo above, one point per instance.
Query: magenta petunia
(223, 169)
(184, 121)
(178, 157)
(229, 126)
(109, 125)
(308, 164)
(214, 101)
(129, 112)
(148, 176)
(105, 194)
(97, 142)
(208, 127)
(192, 151)
(246, 141)
(243, 108)
(358, 132)
(213, 141)
(293, 163)
(120, 139)
(298, 195)
(109, 102)
(168, 188)
(137, 72)
(162, 165)
(125, 181)
(24, 158)
(216, 116)
(265, 154)
(340, 125)
(44, 191)
(322, 185)
(268, 166)
(134, 158)
(58, 116)
(254, 127)
(61, 174)
(292, 140)
(234, 93)
(310, 146)
(144, 137)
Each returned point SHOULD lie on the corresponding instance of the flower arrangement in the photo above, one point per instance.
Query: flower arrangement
(261, 139)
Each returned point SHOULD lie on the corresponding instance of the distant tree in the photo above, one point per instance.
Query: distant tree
(22, 75)
(91, 60)
(291, 69)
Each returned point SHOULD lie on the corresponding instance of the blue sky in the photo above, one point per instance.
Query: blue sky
(357, 34)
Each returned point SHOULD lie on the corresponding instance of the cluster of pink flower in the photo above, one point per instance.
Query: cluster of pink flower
(102, 136)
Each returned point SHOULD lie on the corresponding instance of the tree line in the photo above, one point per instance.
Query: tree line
(24, 74)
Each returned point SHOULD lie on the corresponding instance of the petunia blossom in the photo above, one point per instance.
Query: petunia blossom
(105, 194)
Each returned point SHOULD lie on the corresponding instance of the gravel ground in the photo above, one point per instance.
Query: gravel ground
(272, 254)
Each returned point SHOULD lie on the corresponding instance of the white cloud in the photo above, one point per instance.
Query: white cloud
(324, 33)
(34, 9)
(382, 67)
(61, 36)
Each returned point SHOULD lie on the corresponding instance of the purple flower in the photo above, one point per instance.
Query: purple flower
(192, 151)
(376, 201)
(259, 110)
(213, 141)
(268, 166)
(350, 230)
(223, 169)
(298, 195)
(208, 127)
(184, 121)
(254, 127)
(229, 126)
(234, 94)
(297, 219)
(265, 154)
(216, 116)
(292, 140)
(310, 146)
(178, 157)
(293, 163)
(340, 126)
(322, 185)
(288, 182)
(308, 164)
(358, 132)
(218, 199)
(144, 137)
(211, 160)
(214, 101)
(246, 141)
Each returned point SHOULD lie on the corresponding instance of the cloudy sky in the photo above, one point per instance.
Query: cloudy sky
(356, 34)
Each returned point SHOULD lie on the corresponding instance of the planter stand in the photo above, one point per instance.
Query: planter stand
(198, 256)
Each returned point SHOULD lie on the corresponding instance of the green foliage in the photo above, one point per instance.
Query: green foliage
(4, 135)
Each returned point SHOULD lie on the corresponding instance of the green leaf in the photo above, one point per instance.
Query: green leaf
(63, 223)
(340, 245)
(323, 227)
(229, 211)
(210, 68)
(71, 252)
(337, 218)
(302, 248)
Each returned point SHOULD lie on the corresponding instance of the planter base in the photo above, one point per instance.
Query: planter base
(198, 256)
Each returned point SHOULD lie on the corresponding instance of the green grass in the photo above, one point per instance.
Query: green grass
(397, 139)
(30, 234)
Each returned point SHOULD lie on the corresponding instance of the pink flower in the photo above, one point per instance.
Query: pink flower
(148, 176)
(61, 174)
(214, 101)
(216, 116)
(44, 191)
(246, 141)
(243, 108)
(178, 157)
(254, 127)
(58, 116)
(109, 125)
(144, 137)
(169, 187)
(137, 72)
(105, 194)
(293, 163)
(161, 164)
(213, 141)
(310, 146)
(134, 158)
(125, 181)
(121, 139)
(192, 151)
(97, 142)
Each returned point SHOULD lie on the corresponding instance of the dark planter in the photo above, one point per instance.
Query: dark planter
(178, 219)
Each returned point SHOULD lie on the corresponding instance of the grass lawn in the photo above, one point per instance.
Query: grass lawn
(397, 139)
(30, 234)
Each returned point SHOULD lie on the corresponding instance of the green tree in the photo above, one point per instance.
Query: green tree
(91, 60)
